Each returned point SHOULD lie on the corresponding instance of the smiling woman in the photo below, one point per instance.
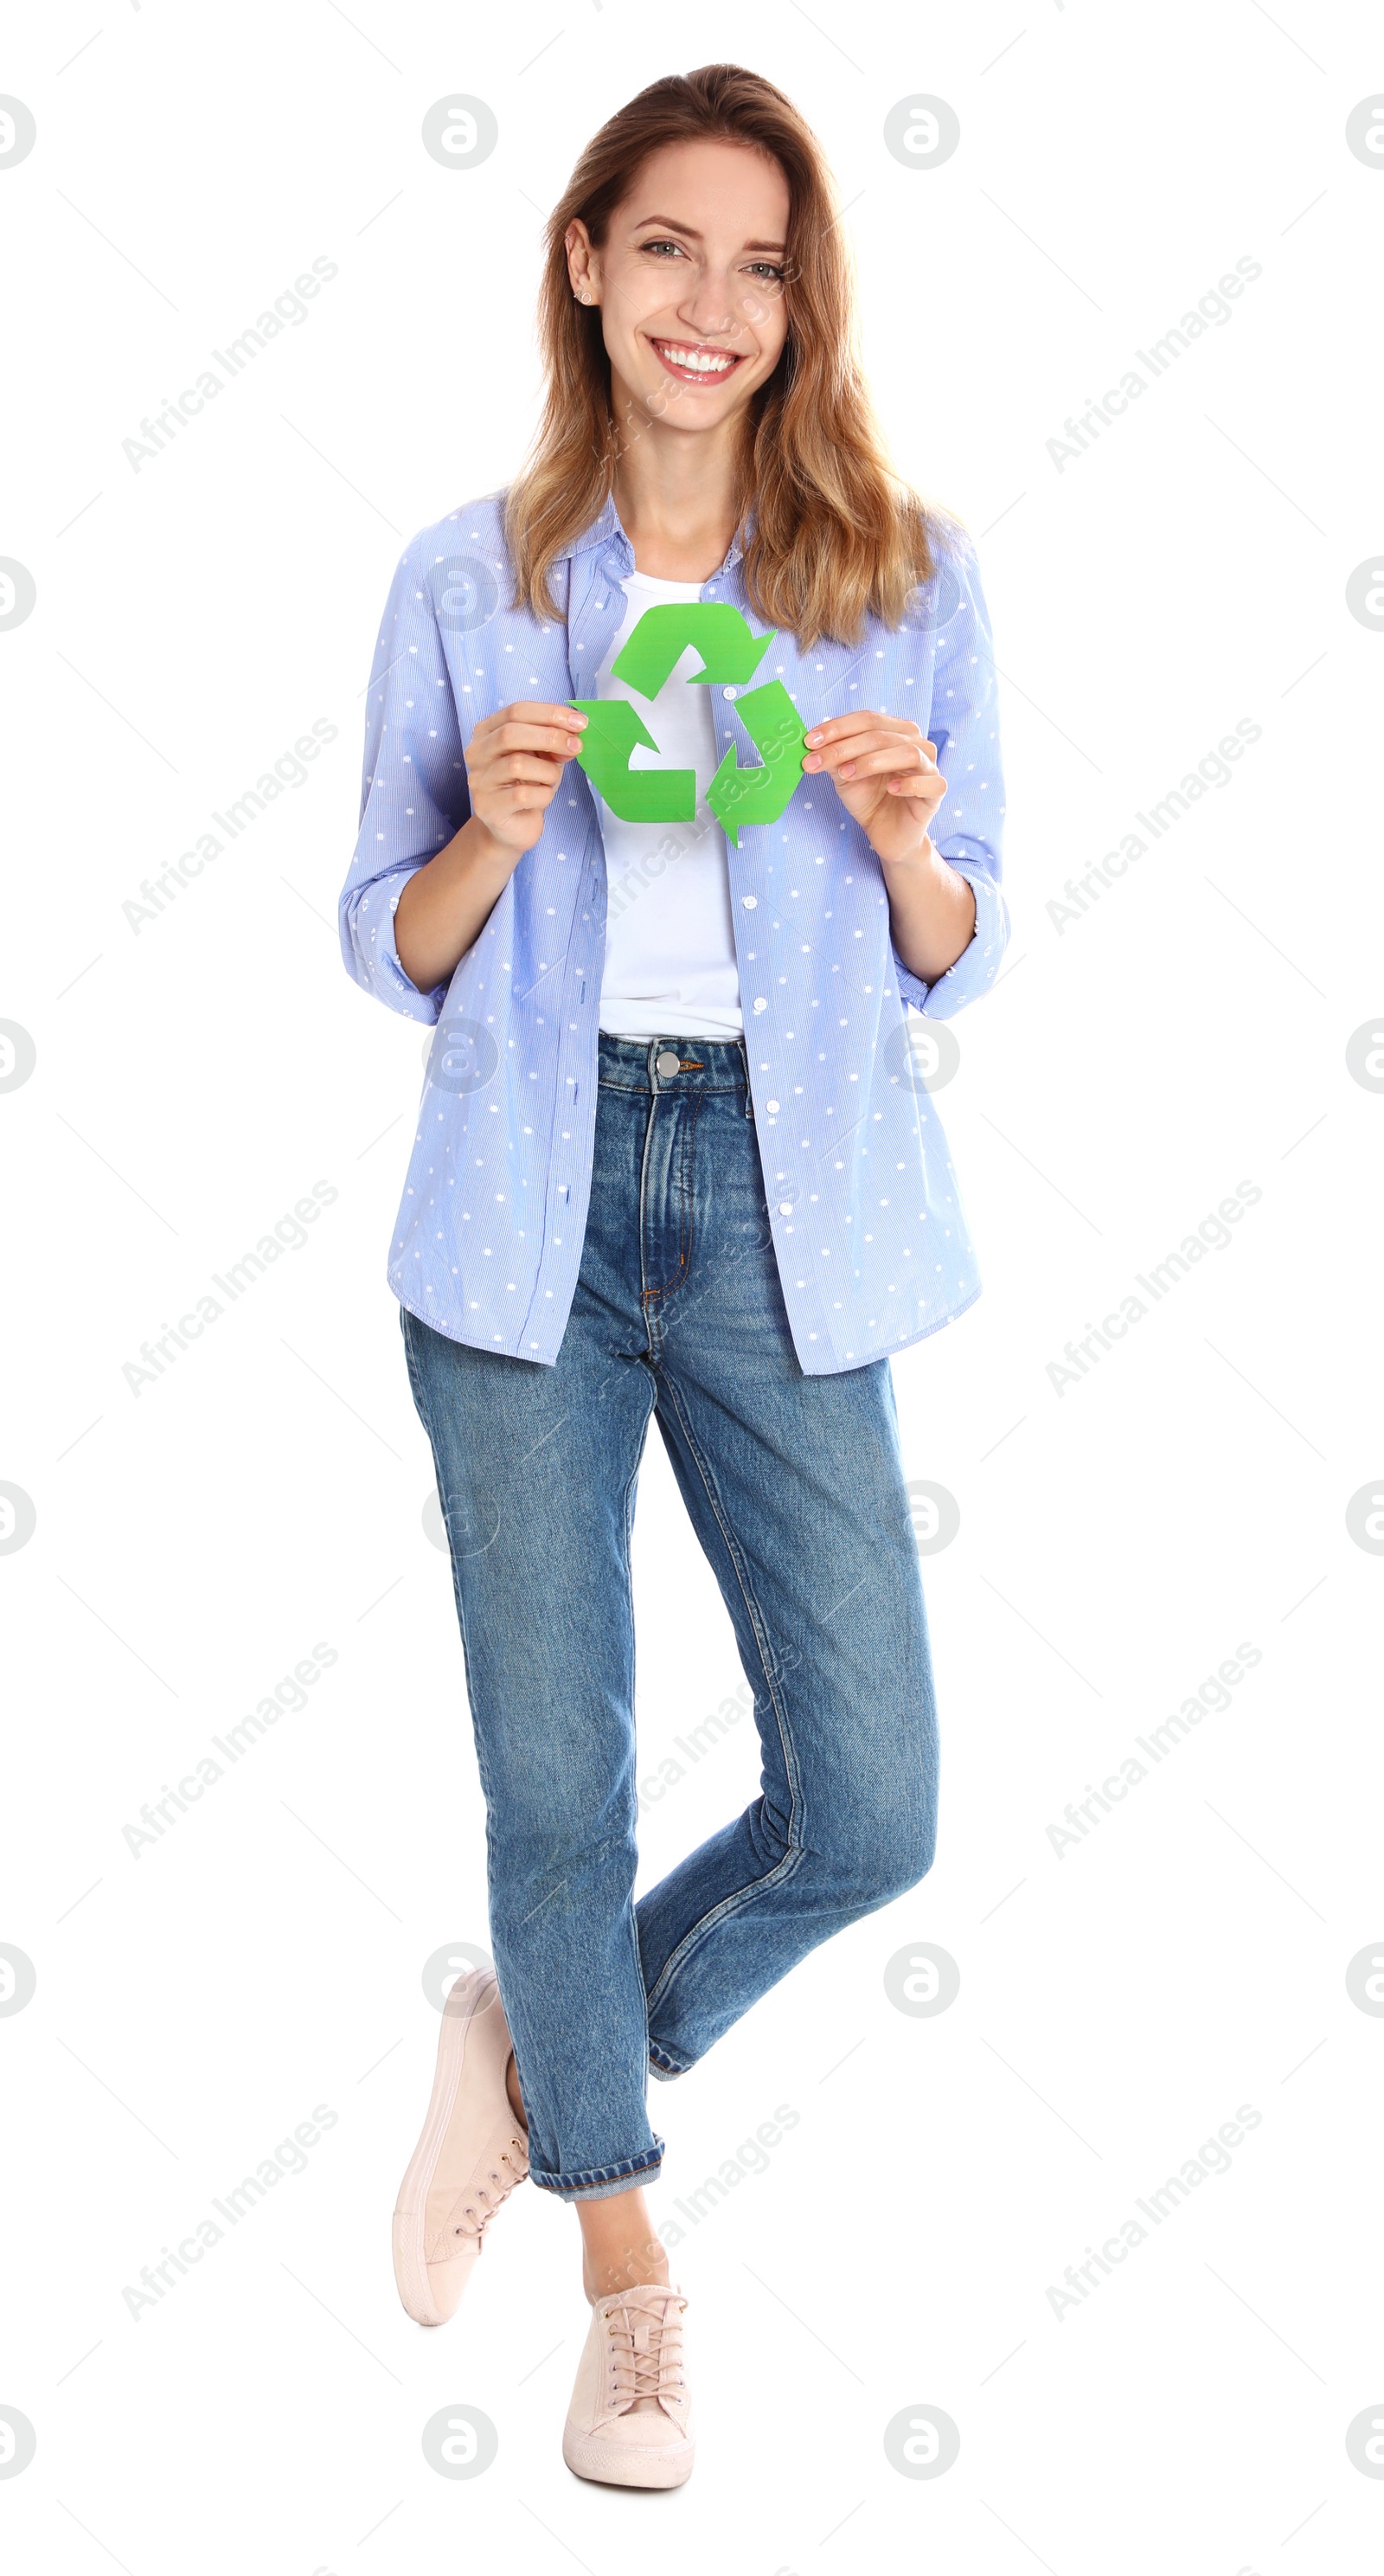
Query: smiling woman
(676, 1159)
(698, 245)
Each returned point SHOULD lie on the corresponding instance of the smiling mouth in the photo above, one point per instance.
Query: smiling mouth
(695, 362)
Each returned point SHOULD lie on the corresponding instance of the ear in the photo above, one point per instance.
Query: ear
(581, 262)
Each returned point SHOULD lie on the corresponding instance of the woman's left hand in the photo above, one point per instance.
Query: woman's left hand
(885, 774)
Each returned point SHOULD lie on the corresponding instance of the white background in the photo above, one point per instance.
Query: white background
(1117, 1540)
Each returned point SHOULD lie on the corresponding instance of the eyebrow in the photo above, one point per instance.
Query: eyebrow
(671, 225)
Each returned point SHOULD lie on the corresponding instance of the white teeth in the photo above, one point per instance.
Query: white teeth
(696, 363)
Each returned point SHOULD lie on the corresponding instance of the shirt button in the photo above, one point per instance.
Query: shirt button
(785, 1207)
(749, 901)
(760, 1003)
(666, 1062)
(771, 1104)
(728, 693)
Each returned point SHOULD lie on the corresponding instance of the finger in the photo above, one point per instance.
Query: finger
(523, 769)
(512, 808)
(560, 739)
(840, 757)
(865, 730)
(550, 711)
(922, 775)
(833, 728)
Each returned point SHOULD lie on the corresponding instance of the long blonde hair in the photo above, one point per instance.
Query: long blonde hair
(837, 534)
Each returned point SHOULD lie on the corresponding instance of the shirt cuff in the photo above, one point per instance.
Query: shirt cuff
(978, 964)
(372, 934)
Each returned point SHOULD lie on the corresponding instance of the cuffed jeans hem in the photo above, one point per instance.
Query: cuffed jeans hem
(603, 2180)
(663, 2067)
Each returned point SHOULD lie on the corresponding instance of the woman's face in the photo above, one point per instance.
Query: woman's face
(690, 283)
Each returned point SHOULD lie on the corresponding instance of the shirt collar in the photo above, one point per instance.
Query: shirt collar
(604, 529)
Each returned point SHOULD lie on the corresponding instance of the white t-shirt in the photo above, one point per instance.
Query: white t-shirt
(670, 965)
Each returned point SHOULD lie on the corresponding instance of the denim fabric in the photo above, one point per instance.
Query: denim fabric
(795, 1488)
(870, 1237)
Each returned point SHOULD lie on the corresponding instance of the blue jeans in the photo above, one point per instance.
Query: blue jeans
(795, 1488)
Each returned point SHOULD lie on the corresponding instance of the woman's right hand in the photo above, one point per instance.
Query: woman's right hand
(514, 766)
(515, 762)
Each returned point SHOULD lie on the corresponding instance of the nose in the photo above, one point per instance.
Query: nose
(711, 308)
(711, 319)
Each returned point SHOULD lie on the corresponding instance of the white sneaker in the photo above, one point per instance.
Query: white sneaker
(630, 2420)
(470, 2156)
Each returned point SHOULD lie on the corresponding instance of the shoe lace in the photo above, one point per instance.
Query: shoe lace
(491, 2194)
(644, 2332)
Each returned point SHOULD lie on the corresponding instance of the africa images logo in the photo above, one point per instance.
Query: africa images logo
(730, 655)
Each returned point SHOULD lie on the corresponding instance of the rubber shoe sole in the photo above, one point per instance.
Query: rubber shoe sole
(609, 2464)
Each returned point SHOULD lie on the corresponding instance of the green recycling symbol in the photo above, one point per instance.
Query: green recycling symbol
(730, 655)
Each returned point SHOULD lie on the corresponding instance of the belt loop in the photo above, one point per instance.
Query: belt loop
(745, 1061)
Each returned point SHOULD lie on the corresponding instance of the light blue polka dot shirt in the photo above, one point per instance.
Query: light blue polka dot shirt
(871, 1243)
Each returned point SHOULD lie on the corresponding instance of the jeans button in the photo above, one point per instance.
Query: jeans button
(666, 1062)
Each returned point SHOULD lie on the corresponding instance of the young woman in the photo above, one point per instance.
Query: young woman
(675, 1155)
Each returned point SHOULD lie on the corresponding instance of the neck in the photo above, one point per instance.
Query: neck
(676, 494)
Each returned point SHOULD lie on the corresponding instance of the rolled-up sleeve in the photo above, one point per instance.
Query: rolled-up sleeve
(414, 796)
(968, 829)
